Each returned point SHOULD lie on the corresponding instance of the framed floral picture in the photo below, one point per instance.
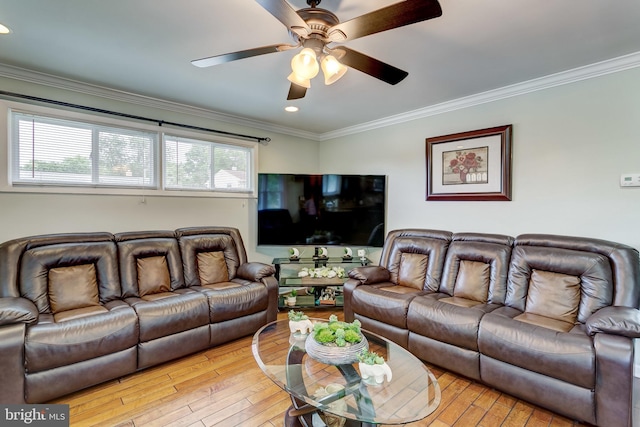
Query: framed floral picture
(470, 166)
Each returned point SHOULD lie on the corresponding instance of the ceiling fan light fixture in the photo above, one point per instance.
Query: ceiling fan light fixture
(294, 78)
(305, 65)
(332, 68)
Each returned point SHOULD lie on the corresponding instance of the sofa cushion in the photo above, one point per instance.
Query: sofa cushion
(50, 345)
(545, 322)
(385, 302)
(153, 275)
(212, 267)
(452, 320)
(163, 314)
(553, 295)
(73, 287)
(472, 281)
(567, 356)
(234, 299)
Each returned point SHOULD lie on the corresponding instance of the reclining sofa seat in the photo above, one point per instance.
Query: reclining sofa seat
(173, 319)
(550, 319)
(242, 296)
(76, 336)
(410, 265)
(443, 325)
(544, 345)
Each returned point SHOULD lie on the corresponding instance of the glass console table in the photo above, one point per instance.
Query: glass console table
(318, 281)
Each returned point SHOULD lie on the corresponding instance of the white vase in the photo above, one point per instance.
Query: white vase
(300, 326)
(374, 374)
(291, 301)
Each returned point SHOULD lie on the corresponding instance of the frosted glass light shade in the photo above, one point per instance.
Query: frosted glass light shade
(305, 65)
(332, 69)
(294, 78)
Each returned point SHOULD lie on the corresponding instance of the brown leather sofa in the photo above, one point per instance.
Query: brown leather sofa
(83, 308)
(549, 319)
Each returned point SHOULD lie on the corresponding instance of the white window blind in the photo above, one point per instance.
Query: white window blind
(204, 165)
(64, 152)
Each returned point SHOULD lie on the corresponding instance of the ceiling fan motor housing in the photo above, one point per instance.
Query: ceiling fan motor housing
(318, 20)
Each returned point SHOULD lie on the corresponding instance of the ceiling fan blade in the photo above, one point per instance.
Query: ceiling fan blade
(368, 65)
(241, 54)
(397, 15)
(287, 15)
(296, 92)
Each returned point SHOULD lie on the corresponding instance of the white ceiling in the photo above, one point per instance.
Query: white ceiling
(145, 47)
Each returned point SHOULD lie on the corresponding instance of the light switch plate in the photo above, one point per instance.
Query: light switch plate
(630, 180)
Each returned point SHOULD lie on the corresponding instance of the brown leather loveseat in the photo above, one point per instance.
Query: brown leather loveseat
(83, 308)
(550, 319)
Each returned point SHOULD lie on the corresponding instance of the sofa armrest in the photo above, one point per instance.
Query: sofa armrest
(255, 271)
(17, 310)
(615, 320)
(370, 274)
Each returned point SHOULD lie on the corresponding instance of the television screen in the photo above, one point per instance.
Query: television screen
(346, 210)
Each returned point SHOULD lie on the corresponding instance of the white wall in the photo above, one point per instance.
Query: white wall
(570, 145)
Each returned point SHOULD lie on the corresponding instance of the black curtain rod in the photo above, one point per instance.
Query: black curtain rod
(261, 140)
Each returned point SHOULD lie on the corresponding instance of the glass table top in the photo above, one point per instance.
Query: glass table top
(412, 394)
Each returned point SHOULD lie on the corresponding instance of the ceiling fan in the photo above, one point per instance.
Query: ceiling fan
(314, 28)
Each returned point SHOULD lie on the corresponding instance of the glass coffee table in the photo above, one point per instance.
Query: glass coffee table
(336, 394)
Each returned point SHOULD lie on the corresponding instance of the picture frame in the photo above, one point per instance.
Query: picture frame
(470, 166)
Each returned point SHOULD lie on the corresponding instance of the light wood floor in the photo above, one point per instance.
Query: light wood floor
(224, 386)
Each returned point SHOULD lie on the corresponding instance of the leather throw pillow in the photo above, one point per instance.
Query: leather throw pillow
(553, 295)
(413, 270)
(212, 268)
(73, 287)
(472, 281)
(153, 275)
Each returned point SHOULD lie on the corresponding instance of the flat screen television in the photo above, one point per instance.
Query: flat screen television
(299, 209)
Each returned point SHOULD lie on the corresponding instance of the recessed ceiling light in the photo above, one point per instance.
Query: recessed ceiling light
(291, 109)
(4, 30)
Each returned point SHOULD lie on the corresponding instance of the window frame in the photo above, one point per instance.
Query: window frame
(213, 145)
(97, 179)
(7, 156)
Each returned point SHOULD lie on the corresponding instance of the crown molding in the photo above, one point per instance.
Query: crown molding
(598, 69)
(49, 80)
(562, 78)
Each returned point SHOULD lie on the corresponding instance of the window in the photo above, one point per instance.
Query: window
(63, 152)
(50, 149)
(204, 165)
